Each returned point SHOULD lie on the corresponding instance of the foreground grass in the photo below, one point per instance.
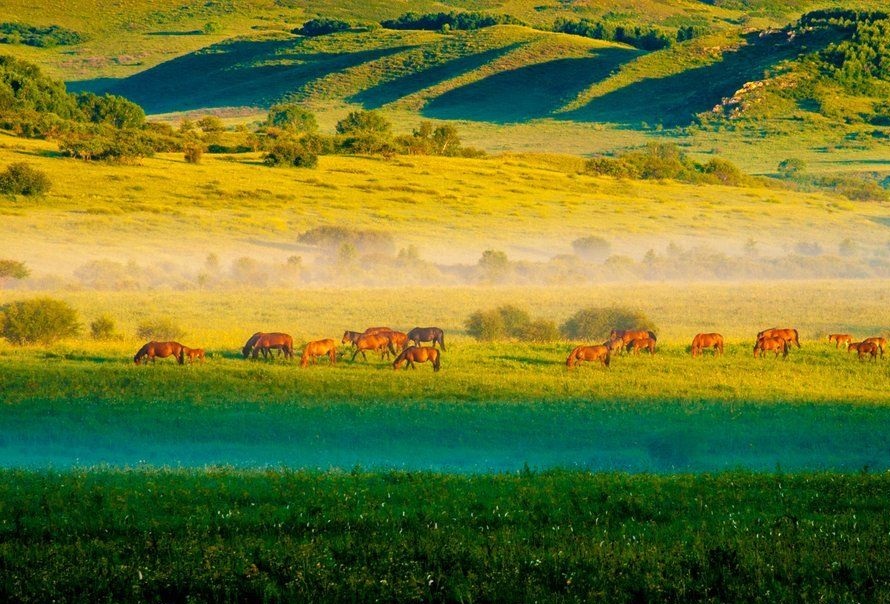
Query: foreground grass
(275, 536)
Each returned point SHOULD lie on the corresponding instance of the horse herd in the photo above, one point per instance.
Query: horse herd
(408, 349)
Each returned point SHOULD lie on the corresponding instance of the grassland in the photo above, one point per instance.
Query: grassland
(557, 537)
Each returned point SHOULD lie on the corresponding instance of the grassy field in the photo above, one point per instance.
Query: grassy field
(557, 537)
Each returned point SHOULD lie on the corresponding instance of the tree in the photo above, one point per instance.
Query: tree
(161, 328)
(21, 179)
(791, 167)
(364, 122)
(110, 109)
(40, 320)
(211, 123)
(289, 152)
(102, 328)
(12, 269)
(494, 265)
(292, 117)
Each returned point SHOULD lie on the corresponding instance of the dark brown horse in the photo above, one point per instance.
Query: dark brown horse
(427, 334)
(776, 344)
(379, 342)
(417, 354)
(839, 339)
(788, 334)
(265, 343)
(707, 340)
(638, 344)
(863, 348)
(319, 348)
(153, 350)
(880, 342)
(351, 337)
(193, 354)
(589, 353)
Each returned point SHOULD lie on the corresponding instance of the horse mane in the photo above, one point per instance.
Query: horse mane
(251, 342)
(652, 335)
(401, 356)
(142, 351)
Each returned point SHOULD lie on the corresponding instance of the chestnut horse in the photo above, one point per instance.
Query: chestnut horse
(880, 342)
(266, 342)
(840, 339)
(372, 330)
(638, 344)
(863, 348)
(589, 353)
(788, 334)
(319, 348)
(193, 354)
(379, 342)
(153, 350)
(776, 344)
(399, 339)
(419, 354)
(707, 340)
(629, 335)
(427, 334)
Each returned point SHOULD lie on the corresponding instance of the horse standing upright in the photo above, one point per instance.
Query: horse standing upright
(418, 335)
(319, 348)
(589, 353)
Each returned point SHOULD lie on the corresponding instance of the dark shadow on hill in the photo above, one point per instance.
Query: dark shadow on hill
(674, 100)
(529, 92)
(391, 91)
(239, 73)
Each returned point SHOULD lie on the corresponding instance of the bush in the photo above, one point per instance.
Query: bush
(13, 269)
(41, 320)
(486, 325)
(539, 330)
(291, 153)
(592, 247)
(791, 167)
(510, 321)
(21, 179)
(159, 329)
(102, 328)
(595, 324)
(290, 116)
(322, 27)
(364, 122)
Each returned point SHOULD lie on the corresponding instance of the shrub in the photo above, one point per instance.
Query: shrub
(102, 328)
(110, 109)
(13, 269)
(21, 179)
(510, 321)
(161, 328)
(791, 167)
(364, 241)
(322, 27)
(286, 152)
(539, 330)
(211, 123)
(592, 247)
(594, 324)
(40, 320)
(486, 325)
(290, 116)
(363, 122)
(193, 152)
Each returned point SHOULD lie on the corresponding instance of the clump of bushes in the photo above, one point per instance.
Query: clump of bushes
(38, 321)
(510, 322)
(322, 27)
(291, 152)
(13, 269)
(364, 241)
(22, 179)
(103, 328)
(595, 323)
(446, 21)
(666, 160)
(161, 328)
(42, 37)
(592, 247)
(647, 38)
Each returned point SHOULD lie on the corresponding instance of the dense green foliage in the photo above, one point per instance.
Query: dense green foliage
(322, 26)
(21, 178)
(102, 328)
(452, 20)
(510, 322)
(647, 38)
(595, 324)
(554, 537)
(38, 320)
(43, 37)
(666, 160)
(291, 152)
(23, 87)
(159, 328)
(292, 117)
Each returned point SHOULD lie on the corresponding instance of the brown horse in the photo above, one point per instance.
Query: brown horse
(880, 342)
(589, 353)
(840, 339)
(788, 334)
(707, 340)
(776, 344)
(435, 335)
(419, 354)
(373, 330)
(193, 354)
(399, 339)
(350, 337)
(153, 350)
(379, 342)
(863, 348)
(319, 348)
(629, 335)
(267, 342)
(638, 344)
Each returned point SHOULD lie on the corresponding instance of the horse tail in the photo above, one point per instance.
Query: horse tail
(608, 358)
(181, 356)
(436, 358)
(796, 338)
(442, 339)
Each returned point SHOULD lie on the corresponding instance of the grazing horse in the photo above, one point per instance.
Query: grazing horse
(629, 335)
(379, 342)
(840, 339)
(153, 350)
(266, 342)
(427, 334)
(788, 334)
(419, 354)
(638, 344)
(350, 337)
(707, 340)
(880, 342)
(589, 353)
(776, 344)
(863, 348)
(372, 330)
(193, 354)
(319, 348)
